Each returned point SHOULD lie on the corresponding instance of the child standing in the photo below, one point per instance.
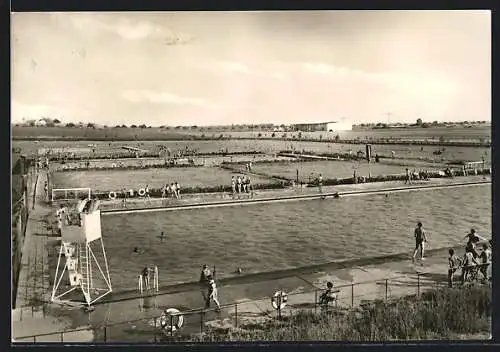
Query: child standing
(454, 263)
(212, 294)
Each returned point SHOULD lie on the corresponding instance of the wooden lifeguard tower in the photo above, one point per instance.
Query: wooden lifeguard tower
(83, 257)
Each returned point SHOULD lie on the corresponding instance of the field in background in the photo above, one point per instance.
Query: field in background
(450, 133)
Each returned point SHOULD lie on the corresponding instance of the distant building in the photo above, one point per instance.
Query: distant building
(41, 123)
(330, 126)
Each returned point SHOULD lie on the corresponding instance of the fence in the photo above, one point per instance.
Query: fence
(199, 323)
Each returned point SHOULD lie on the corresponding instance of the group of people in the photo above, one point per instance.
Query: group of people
(414, 175)
(209, 287)
(473, 262)
(241, 184)
(171, 191)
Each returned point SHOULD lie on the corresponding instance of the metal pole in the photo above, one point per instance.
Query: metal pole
(105, 333)
(155, 328)
(352, 295)
(418, 284)
(201, 321)
(236, 314)
(171, 325)
(315, 300)
(386, 289)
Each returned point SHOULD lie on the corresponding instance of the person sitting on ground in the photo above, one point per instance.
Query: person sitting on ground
(330, 295)
(212, 294)
(469, 265)
(485, 261)
(454, 263)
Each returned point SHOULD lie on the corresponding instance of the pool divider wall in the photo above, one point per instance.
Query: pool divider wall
(150, 155)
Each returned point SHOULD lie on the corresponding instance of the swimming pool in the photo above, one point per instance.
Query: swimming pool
(266, 237)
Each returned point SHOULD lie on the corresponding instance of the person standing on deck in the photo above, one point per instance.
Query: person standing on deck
(407, 177)
(212, 294)
(238, 180)
(147, 193)
(320, 183)
(205, 274)
(164, 192)
(173, 189)
(46, 189)
(178, 189)
(233, 186)
(244, 183)
(420, 239)
(125, 196)
(472, 239)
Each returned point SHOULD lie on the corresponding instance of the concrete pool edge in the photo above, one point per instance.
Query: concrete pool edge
(284, 198)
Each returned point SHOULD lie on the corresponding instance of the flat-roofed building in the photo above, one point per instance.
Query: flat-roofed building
(330, 126)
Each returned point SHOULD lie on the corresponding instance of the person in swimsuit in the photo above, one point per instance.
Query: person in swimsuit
(212, 294)
(233, 186)
(454, 263)
(420, 239)
(485, 261)
(473, 238)
(205, 273)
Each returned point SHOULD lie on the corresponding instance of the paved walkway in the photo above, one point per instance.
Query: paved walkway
(31, 317)
(34, 287)
(247, 300)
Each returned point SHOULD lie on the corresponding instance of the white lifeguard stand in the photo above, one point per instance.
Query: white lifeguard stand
(87, 272)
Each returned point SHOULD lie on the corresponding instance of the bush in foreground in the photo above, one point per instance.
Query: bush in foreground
(439, 314)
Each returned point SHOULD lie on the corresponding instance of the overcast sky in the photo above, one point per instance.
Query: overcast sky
(200, 68)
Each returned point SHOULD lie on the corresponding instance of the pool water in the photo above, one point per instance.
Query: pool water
(267, 237)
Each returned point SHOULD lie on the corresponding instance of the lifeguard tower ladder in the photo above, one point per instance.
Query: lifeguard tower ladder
(81, 240)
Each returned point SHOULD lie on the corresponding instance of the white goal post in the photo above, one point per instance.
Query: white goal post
(65, 194)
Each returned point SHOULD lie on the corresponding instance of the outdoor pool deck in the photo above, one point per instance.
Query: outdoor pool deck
(33, 315)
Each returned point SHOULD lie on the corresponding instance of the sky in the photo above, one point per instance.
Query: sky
(217, 68)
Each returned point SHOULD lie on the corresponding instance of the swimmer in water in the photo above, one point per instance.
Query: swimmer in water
(162, 236)
(137, 250)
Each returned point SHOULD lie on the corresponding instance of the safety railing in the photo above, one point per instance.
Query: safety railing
(194, 325)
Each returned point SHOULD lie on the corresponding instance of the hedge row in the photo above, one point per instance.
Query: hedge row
(344, 156)
(129, 167)
(157, 192)
(127, 155)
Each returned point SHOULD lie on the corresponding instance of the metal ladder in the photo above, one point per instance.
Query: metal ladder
(84, 270)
